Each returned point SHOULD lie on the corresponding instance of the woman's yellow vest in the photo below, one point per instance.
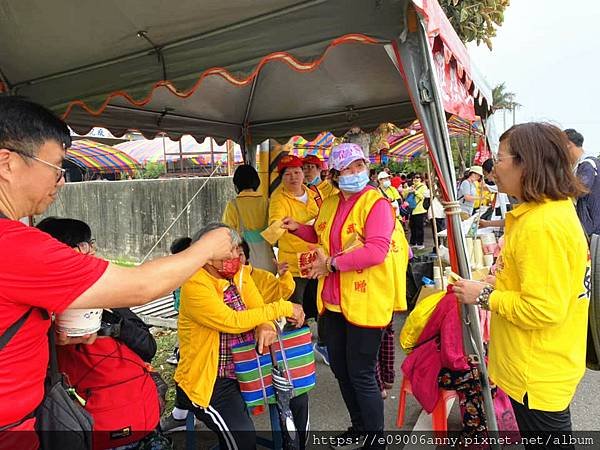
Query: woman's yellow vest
(369, 296)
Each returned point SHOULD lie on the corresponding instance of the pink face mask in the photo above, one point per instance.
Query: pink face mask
(230, 268)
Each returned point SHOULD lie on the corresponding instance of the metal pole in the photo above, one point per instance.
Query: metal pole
(180, 155)
(212, 154)
(165, 155)
(436, 241)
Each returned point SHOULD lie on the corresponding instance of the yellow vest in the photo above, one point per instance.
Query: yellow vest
(368, 296)
(284, 204)
(326, 189)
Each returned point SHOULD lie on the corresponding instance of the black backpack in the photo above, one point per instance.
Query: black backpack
(61, 422)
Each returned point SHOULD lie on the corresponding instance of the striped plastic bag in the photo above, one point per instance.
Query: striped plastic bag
(254, 371)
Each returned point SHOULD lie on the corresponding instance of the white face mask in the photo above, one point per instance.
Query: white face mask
(386, 184)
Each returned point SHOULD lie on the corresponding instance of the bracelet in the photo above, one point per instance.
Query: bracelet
(483, 299)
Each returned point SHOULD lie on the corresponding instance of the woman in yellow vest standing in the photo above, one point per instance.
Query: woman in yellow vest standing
(361, 266)
(540, 296)
(248, 215)
(294, 199)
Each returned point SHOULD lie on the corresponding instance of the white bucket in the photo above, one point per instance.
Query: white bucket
(79, 322)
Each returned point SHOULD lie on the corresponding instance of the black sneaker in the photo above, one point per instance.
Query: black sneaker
(349, 440)
(170, 424)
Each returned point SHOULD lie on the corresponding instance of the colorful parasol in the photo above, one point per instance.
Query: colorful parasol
(155, 150)
(320, 146)
(409, 143)
(100, 158)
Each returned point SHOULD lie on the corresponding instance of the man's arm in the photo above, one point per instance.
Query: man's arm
(124, 287)
(586, 174)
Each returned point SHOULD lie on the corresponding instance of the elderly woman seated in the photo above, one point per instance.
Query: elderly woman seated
(221, 307)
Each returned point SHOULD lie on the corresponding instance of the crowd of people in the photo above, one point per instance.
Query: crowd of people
(338, 263)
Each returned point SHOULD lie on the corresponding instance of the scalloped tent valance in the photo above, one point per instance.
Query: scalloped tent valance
(237, 70)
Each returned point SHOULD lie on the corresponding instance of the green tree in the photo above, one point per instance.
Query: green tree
(504, 100)
(475, 20)
(152, 169)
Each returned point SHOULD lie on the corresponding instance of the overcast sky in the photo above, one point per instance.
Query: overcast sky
(548, 53)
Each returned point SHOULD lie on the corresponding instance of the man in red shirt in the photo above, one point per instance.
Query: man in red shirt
(38, 271)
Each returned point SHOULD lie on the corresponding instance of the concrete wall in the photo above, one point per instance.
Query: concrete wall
(128, 217)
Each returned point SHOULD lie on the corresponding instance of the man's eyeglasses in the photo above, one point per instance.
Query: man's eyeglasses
(60, 171)
(87, 246)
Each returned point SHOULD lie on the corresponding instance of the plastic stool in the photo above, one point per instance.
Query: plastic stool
(439, 415)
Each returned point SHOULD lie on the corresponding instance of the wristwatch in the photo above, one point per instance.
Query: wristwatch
(483, 299)
(330, 263)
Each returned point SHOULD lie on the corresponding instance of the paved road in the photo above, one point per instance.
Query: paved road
(328, 412)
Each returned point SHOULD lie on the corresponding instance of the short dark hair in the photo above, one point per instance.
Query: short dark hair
(245, 249)
(542, 150)
(333, 177)
(25, 126)
(180, 244)
(488, 165)
(71, 232)
(246, 177)
(574, 136)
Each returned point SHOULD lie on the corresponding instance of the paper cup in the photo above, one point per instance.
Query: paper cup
(488, 260)
(79, 322)
(488, 238)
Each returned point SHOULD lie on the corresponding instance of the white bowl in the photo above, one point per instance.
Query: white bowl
(79, 322)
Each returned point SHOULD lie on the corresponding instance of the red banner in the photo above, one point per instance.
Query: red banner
(483, 152)
(455, 96)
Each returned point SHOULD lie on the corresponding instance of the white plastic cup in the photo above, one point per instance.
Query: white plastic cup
(79, 322)
(488, 238)
(488, 260)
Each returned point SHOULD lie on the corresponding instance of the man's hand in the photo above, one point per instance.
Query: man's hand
(297, 317)
(265, 335)
(64, 339)
(217, 243)
(290, 224)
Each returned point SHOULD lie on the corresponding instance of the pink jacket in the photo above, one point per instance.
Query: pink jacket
(440, 345)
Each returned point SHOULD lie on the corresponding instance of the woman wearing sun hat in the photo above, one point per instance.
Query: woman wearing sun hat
(361, 267)
(467, 191)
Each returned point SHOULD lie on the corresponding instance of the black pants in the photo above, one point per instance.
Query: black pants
(417, 228)
(228, 416)
(305, 294)
(543, 426)
(353, 356)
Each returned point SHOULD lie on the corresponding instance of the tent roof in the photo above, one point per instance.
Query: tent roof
(231, 70)
(156, 149)
(100, 158)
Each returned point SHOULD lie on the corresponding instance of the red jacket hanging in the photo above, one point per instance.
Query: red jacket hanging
(440, 345)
